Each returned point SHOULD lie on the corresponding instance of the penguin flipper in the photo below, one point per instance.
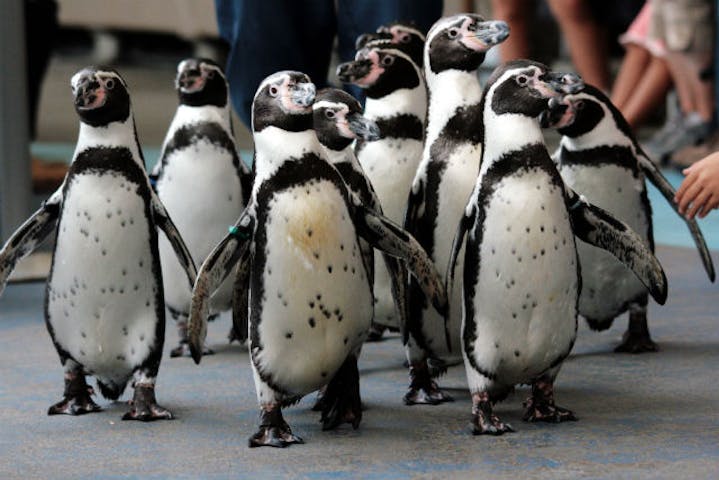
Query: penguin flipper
(597, 227)
(385, 235)
(216, 267)
(414, 206)
(163, 220)
(658, 180)
(398, 279)
(465, 224)
(30, 234)
(240, 297)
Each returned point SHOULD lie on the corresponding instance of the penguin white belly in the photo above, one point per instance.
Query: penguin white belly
(392, 180)
(201, 191)
(316, 303)
(526, 293)
(607, 285)
(102, 290)
(458, 180)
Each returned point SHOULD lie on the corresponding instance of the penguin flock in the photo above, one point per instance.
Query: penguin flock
(488, 248)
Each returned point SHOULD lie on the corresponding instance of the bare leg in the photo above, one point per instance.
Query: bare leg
(77, 398)
(514, 12)
(587, 40)
(649, 93)
(630, 73)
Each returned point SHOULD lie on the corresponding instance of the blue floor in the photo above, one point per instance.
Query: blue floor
(669, 229)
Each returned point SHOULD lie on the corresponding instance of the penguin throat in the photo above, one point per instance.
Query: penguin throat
(507, 133)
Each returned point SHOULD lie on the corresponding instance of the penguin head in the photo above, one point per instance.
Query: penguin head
(584, 111)
(338, 120)
(284, 100)
(460, 42)
(100, 96)
(405, 35)
(525, 87)
(380, 69)
(201, 82)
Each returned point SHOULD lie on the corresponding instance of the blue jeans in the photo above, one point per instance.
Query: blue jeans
(266, 36)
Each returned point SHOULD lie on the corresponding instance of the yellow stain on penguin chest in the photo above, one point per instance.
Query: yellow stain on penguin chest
(313, 227)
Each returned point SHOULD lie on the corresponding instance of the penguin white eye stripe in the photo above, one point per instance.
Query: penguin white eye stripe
(328, 104)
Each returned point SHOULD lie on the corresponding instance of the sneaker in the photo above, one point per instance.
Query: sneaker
(677, 133)
(687, 156)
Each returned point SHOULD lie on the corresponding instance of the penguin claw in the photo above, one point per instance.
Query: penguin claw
(636, 343)
(144, 407)
(376, 332)
(546, 412)
(183, 350)
(74, 406)
(432, 395)
(483, 425)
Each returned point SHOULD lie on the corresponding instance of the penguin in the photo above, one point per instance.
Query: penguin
(396, 101)
(600, 158)
(104, 305)
(521, 278)
(201, 181)
(406, 36)
(310, 301)
(338, 122)
(454, 50)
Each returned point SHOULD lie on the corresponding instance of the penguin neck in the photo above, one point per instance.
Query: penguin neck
(505, 133)
(344, 156)
(112, 135)
(449, 90)
(412, 101)
(275, 146)
(605, 133)
(206, 113)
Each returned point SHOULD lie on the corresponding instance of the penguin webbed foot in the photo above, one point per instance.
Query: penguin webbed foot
(376, 331)
(484, 421)
(422, 389)
(273, 431)
(540, 406)
(183, 350)
(77, 399)
(232, 336)
(144, 406)
(636, 342)
(341, 402)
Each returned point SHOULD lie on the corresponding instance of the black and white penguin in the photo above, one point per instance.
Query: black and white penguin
(397, 102)
(454, 50)
(600, 158)
(310, 301)
(201, 181)
(104, 307)
(406, 36)
(521, 278)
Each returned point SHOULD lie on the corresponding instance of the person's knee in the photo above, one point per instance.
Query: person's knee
(571, 10)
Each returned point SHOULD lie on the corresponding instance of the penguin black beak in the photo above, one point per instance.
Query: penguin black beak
(350, 72)
(303, 94)
(88, 93)
(362, 127)
(190, 80)
(492, 33)
(564, 83)
(553, 114)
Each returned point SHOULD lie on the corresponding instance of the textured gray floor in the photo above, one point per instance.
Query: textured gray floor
(648, 416)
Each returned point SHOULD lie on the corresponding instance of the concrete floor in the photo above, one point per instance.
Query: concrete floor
(646, 416)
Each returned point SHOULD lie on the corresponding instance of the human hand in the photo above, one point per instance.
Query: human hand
(699, 191)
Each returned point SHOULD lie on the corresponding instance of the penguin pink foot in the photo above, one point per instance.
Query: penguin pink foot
(145, 407)
(77, 399)
(540, 405)
(484, 422)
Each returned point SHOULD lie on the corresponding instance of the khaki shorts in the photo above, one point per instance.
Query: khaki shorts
(684, 25)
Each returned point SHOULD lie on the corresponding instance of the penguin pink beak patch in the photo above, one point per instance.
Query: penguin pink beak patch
(375, 71)
(91, 99)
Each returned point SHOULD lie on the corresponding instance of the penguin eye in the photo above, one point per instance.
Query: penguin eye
(273, 91)
(109, 84)
(579, 105)
(387, 60)
(211, 74)
(404, 38)
(453, 32)
(329, 114)
(522, 80)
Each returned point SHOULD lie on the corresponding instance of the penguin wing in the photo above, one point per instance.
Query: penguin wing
(240, 297)
(163, 220)
(415, 202)
(659, 180)
(599, 228)
(247, 178)
(385, 235)
(30, 234)
(216, 267)
(398, 279)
